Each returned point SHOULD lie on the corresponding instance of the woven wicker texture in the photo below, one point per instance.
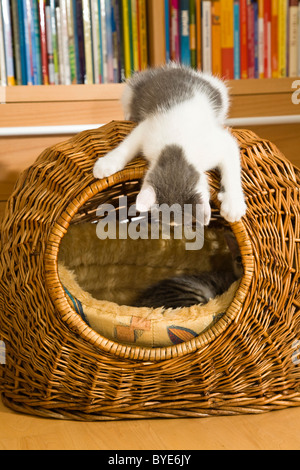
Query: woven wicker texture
(56, 366)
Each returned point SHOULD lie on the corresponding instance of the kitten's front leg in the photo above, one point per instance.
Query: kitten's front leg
(233, 206)
(116, 159)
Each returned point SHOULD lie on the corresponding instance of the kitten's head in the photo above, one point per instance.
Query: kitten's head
(172, 180)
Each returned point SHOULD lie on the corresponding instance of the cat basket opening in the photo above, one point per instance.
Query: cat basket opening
(57, 365)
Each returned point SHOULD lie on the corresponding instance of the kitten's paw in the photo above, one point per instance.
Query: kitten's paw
(233, 206)
(108, 165)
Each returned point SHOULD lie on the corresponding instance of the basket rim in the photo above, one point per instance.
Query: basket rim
(77, 324)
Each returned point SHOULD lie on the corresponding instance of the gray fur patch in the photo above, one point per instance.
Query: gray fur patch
(163, 87)
(173, 179)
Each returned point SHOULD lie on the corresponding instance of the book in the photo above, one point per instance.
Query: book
(54, 41)
(86, 15)
(8, 45)
(96, 42)
(16, 42)
(143, 43)
(109, 41)
(43, 36)
(243, 39)
(274, 38)
(126, 38)
(256, 59)
(293, 38)
(71, 40)
(261, 38)
(65, 42)
(206, 37)
(192, 31)
(134, 35)
(185, 53)
(28, 41)
(267, 39)
(282, 35)
(216, 37)
(22, 42)
(237, 40)
(199, 34)
(51, 74)
(3, 80)
(79, 42)
(115, 45)
(167, 18)
(227, 38)
(250, 39)
(175, 45)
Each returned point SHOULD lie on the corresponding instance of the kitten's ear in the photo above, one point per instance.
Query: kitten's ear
(145, 199)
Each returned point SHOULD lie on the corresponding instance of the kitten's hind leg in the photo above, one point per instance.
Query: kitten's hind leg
(116, 159)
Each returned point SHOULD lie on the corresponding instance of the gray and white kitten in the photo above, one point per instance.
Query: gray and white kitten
(180, 114)
(187, 290)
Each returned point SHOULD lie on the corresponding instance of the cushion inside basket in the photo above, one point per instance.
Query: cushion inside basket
(102, 277)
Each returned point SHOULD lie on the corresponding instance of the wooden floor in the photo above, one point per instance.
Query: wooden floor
(273, 430)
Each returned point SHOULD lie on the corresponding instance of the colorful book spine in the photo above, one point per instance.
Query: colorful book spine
(102, 30)
(250, 39)
(8, 46)
(65, 42)
(79, 41)
(206, 36)
(282, 35)
(28, 44)
(175, 45)
(237, 40)
(216, 37)
(71, 40)
(3, 79)
(135, 41)
(267, 39)
(119, 34)
(143, 43)
(227, 38)
(16, 42)
(109, 41)
(54, 36)
(43, 36)
(185, 53)
(116, 62)
(126, 38)
(293, 37)
(243, 39)
(261, 38)
(22, 42)
(193, 34)
(51, 74)
(96, 41)
(274, 38)
(167, 29)
(256, 59)
(199, 34)
(87, 41)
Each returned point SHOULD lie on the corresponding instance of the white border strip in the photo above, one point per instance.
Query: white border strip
(70, 130)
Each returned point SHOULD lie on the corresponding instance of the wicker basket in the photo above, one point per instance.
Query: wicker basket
(57, 366)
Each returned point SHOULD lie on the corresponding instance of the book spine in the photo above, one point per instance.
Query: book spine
(22, 42)
(261, 38)
(96, 41)
(143, 33)
(130, 36)
(243, 39)
(119, 28)
(282, 18)
(28, 43)
(43, 36)
(274, 38)
(36, 45)
(185, 55)
(227, 38)
(116, 62)
(199, 34)
(61, 70)
(109, 41)
(134, 28)
(3, 79)
(267, 39)
(65, 42)
(193, 34)
(216, 37)
(256, 60)
(71, 40)
(79, 42)
(206, 36)
(237, 40)
(167, 29)
(126, 38)
(87, 41)
(49, 46)
(54, 35)
(175, 45)
(293, 38)
(16, 42)
(250, 38)
(8, 45)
